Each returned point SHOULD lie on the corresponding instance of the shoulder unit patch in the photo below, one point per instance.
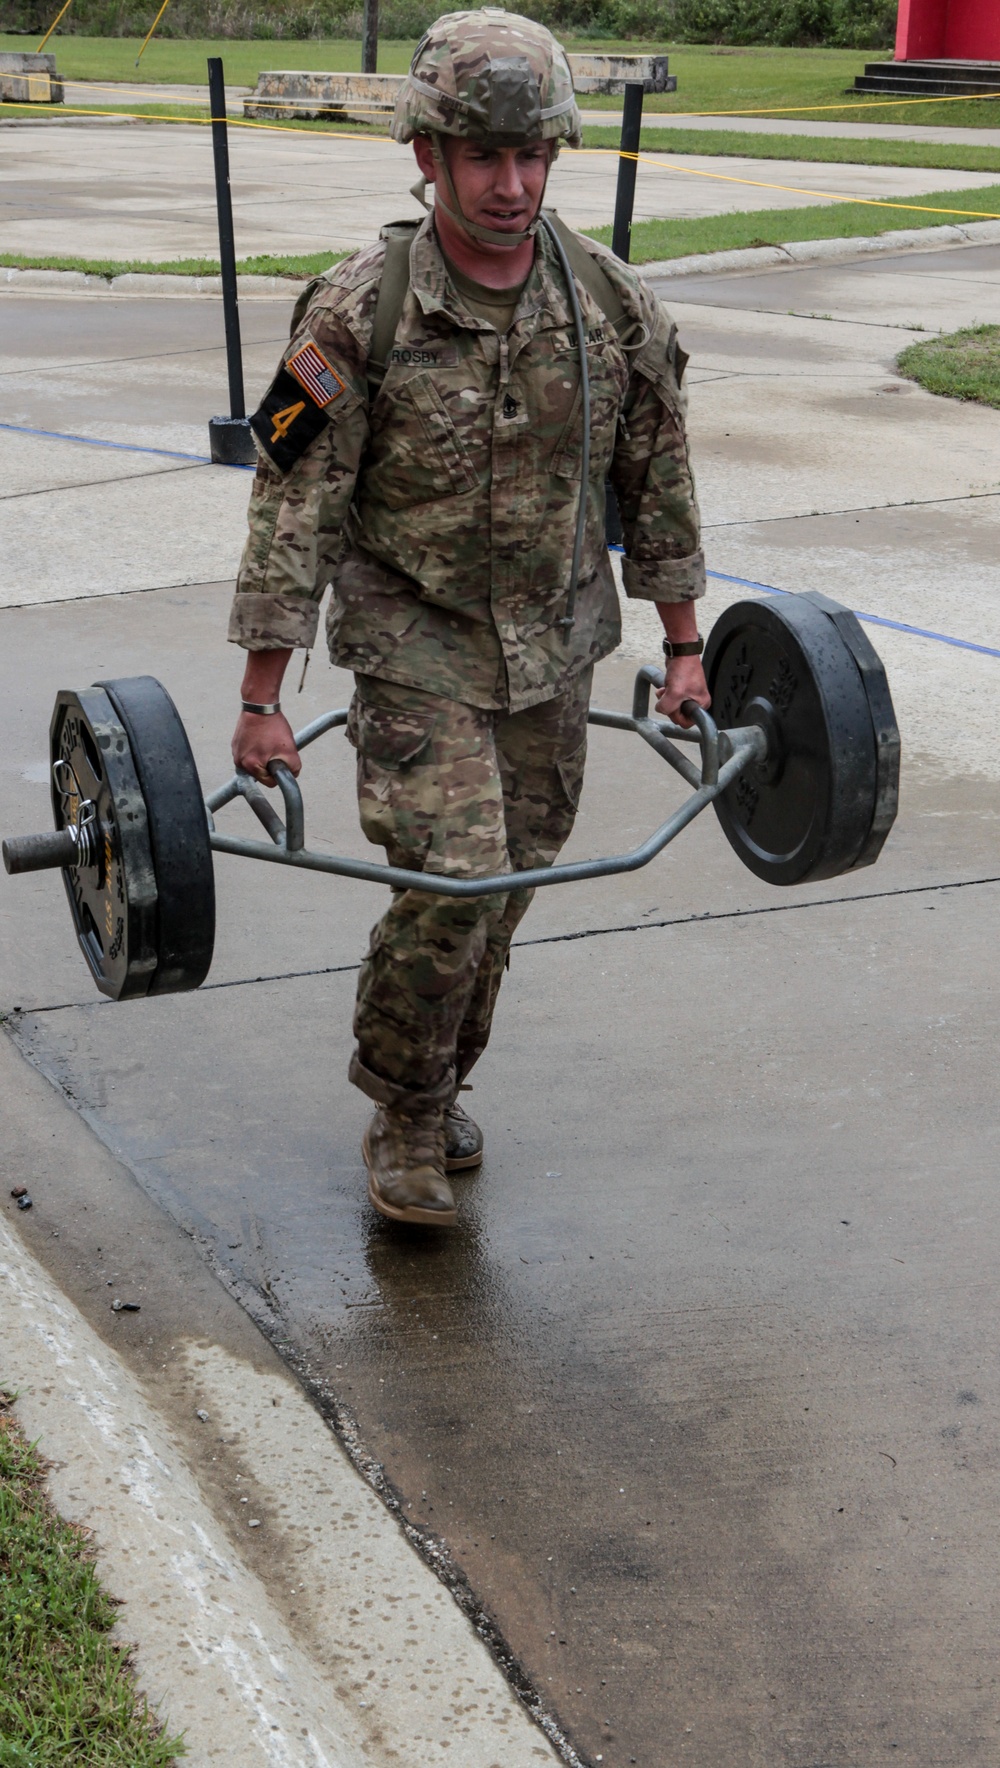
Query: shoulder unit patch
(287, 421)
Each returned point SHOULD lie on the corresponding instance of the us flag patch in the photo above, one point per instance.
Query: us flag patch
(314, 373)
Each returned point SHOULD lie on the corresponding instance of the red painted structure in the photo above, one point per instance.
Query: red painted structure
(967, 30)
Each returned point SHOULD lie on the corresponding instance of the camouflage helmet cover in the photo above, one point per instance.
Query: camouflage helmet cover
(488, 75)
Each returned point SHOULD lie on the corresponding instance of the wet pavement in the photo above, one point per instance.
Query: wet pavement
(701, 1394)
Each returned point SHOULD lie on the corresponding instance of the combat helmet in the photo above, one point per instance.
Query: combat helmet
(489, 76)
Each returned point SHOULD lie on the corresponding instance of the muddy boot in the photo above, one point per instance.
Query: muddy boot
(404, 1154)
(463, 1140)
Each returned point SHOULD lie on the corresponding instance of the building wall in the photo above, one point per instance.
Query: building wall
(966, 29)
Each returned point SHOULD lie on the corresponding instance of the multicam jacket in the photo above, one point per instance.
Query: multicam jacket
(443, 510)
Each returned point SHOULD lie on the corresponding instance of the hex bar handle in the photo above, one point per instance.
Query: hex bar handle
(288, 838)
(327, 721)
(256, 796)
(295, 812)
(749, 744)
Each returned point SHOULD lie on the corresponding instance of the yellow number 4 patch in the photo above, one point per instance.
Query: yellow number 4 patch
(283, 420)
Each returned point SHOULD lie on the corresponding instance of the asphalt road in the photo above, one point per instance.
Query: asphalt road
(702, 1393)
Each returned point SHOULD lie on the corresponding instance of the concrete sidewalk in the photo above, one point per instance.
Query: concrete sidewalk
(147, 192)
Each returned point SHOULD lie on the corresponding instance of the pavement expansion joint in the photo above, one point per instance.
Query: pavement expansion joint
(88, 484)
(15, 1014)
(858, 509)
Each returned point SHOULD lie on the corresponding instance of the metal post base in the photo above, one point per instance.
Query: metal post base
(231, 442)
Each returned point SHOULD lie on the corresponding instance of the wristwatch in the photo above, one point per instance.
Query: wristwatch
(262, 711)
(691, 647)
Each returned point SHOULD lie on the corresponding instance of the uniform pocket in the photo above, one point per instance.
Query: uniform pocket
(416, 455)
(390, 737)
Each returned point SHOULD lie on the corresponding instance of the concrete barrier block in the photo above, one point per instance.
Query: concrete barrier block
(28, 78)
(609, 74)
(329, 97)
(333, 97)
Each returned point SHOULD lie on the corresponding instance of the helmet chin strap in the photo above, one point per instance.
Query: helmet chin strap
(487, 236)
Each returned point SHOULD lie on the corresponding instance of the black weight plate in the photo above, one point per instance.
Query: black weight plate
(887, 743)
(178, 832)
(113, 902)
(807, 811)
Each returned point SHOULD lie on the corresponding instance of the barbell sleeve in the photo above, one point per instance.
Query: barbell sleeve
(40, 853)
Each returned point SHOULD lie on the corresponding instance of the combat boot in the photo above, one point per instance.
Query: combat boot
(405, 1157)
(463, 1140)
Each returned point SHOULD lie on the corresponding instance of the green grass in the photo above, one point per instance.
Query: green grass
(791, 83)
(654, 240)
(785, 81)
(303, 266)
(182, 60)
(67, 1694)
(960, 365)
(832, 150)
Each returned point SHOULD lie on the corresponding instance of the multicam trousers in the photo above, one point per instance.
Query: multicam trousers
(448, 788)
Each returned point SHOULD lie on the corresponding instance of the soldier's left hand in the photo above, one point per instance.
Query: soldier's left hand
(685, 680)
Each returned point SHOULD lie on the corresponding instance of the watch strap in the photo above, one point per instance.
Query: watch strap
(691, 647)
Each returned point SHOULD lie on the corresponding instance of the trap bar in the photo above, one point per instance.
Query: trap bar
(724, 755)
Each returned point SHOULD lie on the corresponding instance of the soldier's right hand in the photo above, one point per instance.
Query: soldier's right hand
(263, 737)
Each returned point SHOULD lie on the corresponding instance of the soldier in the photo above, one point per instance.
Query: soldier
(421, 451)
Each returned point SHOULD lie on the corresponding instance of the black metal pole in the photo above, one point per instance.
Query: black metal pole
(369, 38)
(230, 440)
(227, 247)
(621, 236)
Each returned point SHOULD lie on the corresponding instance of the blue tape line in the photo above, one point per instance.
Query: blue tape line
(122, 447)
(941, 638)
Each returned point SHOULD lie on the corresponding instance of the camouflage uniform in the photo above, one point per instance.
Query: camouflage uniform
(446, 787)
(442, 512)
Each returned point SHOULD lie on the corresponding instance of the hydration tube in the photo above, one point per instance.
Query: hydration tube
(567, 618)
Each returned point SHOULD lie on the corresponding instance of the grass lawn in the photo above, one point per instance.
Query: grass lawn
(653, 240)
(305, 265)
(725, 143)
(831, 150)
(66, 1687)
(786, 81)
(960, 365)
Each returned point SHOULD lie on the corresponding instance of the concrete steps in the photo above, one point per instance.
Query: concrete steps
(930, 79)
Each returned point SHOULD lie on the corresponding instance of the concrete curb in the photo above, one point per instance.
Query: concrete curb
(810, 251)
(280, 1613)
(76, 282)
(820, 251)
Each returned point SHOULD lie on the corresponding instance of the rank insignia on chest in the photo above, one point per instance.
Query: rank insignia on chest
(296, 406)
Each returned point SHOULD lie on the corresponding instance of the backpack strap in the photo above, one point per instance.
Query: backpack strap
(596, 281)
(398, 237)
